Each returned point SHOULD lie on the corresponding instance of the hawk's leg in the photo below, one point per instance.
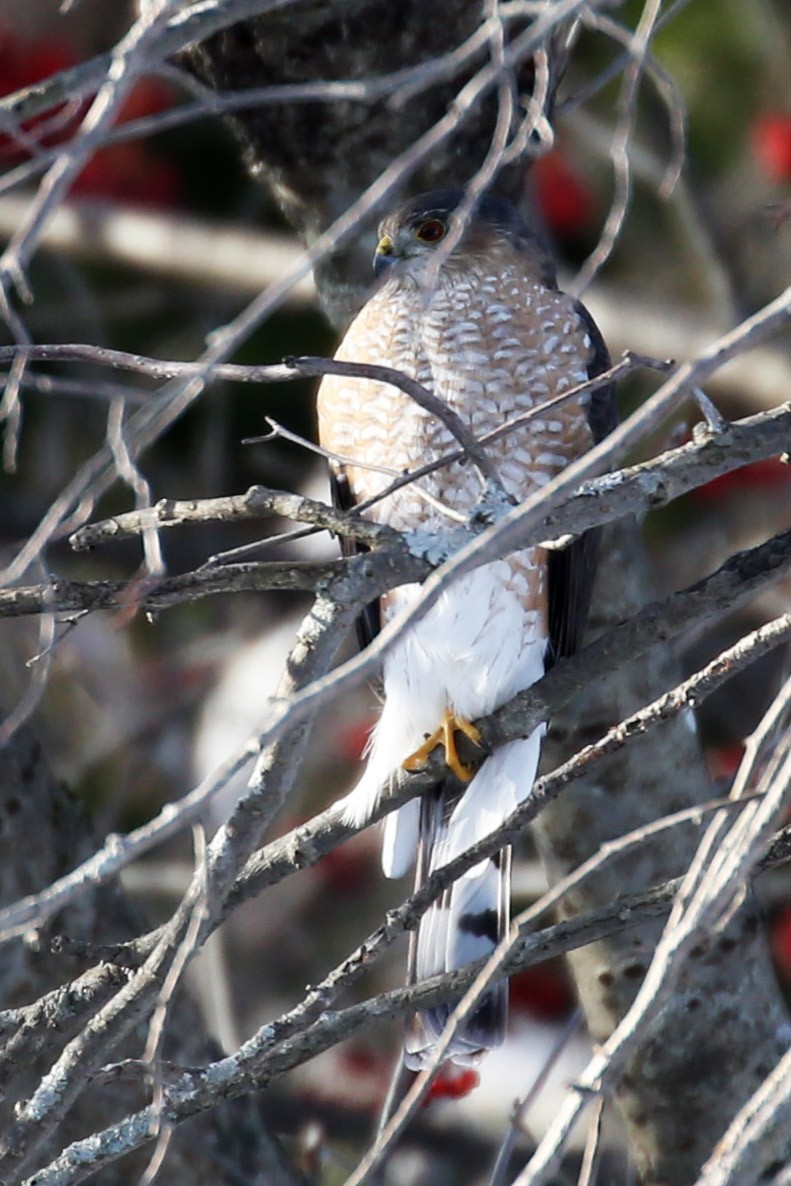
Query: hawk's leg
(445, 735)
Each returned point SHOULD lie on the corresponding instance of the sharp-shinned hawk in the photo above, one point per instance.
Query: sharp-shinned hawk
(486, 330)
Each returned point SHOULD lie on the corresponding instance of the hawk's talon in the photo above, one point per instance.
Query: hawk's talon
(445, 735)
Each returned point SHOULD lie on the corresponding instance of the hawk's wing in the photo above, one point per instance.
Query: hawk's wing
(571, 572)
(369, 622)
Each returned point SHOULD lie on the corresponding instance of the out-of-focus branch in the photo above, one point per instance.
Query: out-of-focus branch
(758, 1137)
(760, 378)
(43, 832)
(148, 424)
(712, 891)
(324, 628)
(175, 246)
(193, 23)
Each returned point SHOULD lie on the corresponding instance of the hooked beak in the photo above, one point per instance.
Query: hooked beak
(383, 256)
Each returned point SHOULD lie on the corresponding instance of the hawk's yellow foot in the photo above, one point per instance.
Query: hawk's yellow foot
(445, 735)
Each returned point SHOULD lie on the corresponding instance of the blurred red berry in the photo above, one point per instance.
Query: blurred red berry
(131, 172)
(363, 1060)
(759, 475)
(128, 172)
(147, 97)
(452, 1084)
(770, 136)
(23, 63)
(544, 992)
(724, 760)
(780, 942)
(348, 869)
(354, 738)
(564, 200)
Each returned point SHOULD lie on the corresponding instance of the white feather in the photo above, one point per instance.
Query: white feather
(399, 839)
(473, 650)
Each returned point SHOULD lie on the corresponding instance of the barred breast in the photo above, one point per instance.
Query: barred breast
(493, 347)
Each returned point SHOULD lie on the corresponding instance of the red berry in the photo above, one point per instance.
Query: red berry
(130, 173)
(452, 1084)
(724, 760)
(543, 991)
(771, 143)
(147, 97)
(347, 870)
(23, 63)
(565, 202)
(780, 942)
(759, 475)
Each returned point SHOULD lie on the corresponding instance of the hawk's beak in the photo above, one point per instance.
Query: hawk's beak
(383, 256)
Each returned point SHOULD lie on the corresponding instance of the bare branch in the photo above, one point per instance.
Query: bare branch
(257, 1062)
(639, 44)
(639, 488)
(311, 841)
(257, 502)
(726, 857)
(737, 578)
(758, 1136)
(416, 391)
(508, 89)
(150, 422)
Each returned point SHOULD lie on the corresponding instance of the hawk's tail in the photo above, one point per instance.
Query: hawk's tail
(463, 925)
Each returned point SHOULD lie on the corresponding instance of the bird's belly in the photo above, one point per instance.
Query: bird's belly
(475, 647)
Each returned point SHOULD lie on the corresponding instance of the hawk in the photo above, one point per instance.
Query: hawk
(484, 327)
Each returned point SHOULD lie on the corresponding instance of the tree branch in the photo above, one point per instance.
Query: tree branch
(603, 500)
(190, 1092)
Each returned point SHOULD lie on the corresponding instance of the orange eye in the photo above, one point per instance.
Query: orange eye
(431, 231)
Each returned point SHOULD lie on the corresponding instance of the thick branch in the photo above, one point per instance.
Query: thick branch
(256, 503)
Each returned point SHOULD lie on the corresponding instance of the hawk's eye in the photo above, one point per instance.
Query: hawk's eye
(431, 231)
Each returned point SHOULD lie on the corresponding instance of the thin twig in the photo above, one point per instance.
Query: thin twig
(589, 1168)
(634, 490)
(523, 1105)
(640, 42)
(309, 843)
(152, 1055)
(416, 391)
(254, 1065)
(256, 502)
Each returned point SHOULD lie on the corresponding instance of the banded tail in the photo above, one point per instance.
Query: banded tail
(465, 924)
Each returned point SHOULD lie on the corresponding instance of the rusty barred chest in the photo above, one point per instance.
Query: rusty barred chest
(492, 347)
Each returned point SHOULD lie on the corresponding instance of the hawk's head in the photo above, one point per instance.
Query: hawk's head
(411, 235)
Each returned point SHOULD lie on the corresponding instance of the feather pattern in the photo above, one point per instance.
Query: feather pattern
(491, 335)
